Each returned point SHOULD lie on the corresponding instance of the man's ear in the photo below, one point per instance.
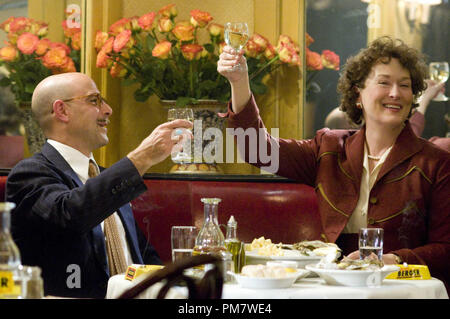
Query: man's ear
(60, 110)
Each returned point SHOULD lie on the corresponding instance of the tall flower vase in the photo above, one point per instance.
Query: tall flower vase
(35, 137)
(206, 112)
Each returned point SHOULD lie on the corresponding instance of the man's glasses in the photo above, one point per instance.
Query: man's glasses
(95, 98)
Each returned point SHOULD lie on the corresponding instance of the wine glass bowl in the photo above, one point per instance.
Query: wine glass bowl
(185, 155)
(236, 35)
(439, 73)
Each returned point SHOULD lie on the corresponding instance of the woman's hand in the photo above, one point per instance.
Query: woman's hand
(388, 259)
(228, 59)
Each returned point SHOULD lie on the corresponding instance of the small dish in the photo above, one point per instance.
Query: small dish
(353, 278)
(269, 283)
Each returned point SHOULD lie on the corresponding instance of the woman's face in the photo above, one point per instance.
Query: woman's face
(387, 95)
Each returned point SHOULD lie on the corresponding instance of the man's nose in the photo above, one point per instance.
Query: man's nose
(106, 108)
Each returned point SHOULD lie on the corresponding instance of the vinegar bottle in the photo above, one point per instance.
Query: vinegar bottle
(235, 246)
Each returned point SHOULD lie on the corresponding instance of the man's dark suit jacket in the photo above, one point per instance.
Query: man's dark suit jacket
(56, 223)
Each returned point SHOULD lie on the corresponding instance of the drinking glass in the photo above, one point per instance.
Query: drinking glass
(183, 241)
(439, 73)
(371, 243)
(184, 156)
(236, 36)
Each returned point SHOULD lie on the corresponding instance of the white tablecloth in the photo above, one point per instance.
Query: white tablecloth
(306, 288)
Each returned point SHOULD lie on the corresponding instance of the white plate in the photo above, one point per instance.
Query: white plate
(269, 283)
(294, 255)
(353, 278)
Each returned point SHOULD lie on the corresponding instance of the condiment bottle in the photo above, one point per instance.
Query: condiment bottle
(10, 264)
(34, 283)
(235, 246)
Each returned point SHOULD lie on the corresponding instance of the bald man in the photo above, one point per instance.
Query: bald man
(58, 223)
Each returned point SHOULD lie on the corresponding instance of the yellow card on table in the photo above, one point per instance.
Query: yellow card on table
(136, 270)
(411, 272)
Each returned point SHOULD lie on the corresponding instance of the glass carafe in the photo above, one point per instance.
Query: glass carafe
(210, 239)
(10, 263)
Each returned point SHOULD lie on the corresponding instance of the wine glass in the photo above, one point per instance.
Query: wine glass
(439, 73)
(183, 156)
(236, 36)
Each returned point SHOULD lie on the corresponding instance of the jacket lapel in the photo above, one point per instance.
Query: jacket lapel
(98, 238)
(354, 150)
(406, 145)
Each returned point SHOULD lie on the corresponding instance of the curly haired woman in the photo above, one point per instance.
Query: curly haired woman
(381, 175)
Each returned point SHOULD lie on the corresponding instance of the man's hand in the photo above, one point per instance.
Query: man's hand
(158, 145)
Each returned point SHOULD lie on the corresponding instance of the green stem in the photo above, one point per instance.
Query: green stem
(191, 80)
(253, 75)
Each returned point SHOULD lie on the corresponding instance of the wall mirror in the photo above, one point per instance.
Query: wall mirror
(346, 26)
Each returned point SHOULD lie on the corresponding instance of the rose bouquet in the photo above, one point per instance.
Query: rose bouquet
(29, 57)
(316, 62)
(164, 57)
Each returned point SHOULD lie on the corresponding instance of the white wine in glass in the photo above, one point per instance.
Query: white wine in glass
(183, 156)
(236, 35)
(439, 73)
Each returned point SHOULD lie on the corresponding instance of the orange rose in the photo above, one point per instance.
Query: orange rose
(19, 25)
(165, 24)
(69, 32)
(117, 71)
(260, 41)
(270, 52)
(146, 21)
(38, 28)
(76, 41)
(123, 39)
(287, 41)
(309, 40)
(5, 24)
(108, 46)
(119, 26)
(100, 39)
(183, 32)
(102, 59)
(191, 51)
(313, 60)
(252, 49)
(162, 50)
(200, 18)
(55, 58)
(330, 60)
(60, 45)
(169, 11)
(42, 46)
(27, 43)
(68, 67)
(288, 55)
(8, 53)
(216, 30)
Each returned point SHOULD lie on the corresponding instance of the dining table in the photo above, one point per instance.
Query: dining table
(304, 288)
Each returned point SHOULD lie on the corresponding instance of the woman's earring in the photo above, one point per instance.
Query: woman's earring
(359, 105)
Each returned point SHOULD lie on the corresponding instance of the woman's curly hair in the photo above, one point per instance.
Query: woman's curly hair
(358, 67)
